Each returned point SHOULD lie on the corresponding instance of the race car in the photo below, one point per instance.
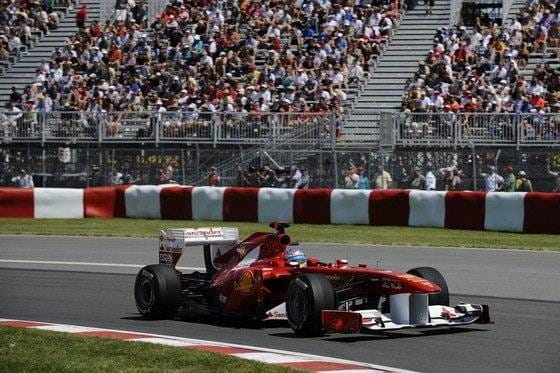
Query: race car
(266, 276)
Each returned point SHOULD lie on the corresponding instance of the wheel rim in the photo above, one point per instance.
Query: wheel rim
(145, 293)
(297, 308)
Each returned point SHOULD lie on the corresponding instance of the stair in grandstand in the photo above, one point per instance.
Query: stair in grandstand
(535, 57)
(303, 138)
(36, 37)
(384, 90)
(514, 9)
(21, 73)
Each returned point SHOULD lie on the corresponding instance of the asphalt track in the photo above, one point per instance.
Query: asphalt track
(88, 281)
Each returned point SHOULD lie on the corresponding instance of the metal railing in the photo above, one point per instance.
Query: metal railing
(467, 129)
(306, 136)
(160, 127)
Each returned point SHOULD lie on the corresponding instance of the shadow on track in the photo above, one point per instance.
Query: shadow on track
(220, 321)
(382, 336)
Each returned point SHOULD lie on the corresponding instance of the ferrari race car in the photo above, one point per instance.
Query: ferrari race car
(266, 277)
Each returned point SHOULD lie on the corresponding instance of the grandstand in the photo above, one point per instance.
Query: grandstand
(315, 84)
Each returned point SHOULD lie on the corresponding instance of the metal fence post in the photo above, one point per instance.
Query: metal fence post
(214, 125)
(44, 118)
(101, 124)
(518, 131)
(397, 125)
(157, 128)
(334, 154)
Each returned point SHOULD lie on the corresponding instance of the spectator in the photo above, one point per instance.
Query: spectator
(456, 181)
(523, 184)
(492, 181)
(266, 176)
(166, 175)
(15, 96)
(382, 179)
(447, 173)
(213, 177)
(23, 180)
(418, 181)
(296, 178)
(429, 5)
(431, 181)
(117, 179)
(305, 179)
(81, 17)
(352, 178)
(509, 180)
(363, 182)
(556, 177)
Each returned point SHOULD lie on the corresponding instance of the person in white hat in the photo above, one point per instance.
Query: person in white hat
(523, 184)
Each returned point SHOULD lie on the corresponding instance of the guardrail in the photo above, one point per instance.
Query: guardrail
(160, 127)
(513, 212)
(468, 129)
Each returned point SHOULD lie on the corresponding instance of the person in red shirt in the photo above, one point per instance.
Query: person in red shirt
(81, 17)
(538, 101)
(115, 55)
(95, 30)
(213, 177)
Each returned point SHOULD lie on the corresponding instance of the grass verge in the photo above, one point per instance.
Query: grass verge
(407, 236)
(24, 350)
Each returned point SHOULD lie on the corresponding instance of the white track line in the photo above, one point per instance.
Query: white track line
(94, 264)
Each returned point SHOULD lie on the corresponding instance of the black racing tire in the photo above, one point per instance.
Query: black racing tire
(433, 275)
(156, 291)
(308, 295)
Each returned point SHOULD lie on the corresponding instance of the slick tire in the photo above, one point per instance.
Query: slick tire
(308, 295)
(156, 291)
(433, 275)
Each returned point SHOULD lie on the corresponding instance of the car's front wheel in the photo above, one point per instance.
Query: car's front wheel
(433, 275)
(308, 295)
(156, 291)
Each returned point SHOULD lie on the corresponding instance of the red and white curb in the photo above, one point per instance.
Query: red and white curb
(290, 359)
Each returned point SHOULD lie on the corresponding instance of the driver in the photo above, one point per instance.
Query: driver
(293, 255)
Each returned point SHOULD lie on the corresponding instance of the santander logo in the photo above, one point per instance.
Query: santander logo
(208, 232)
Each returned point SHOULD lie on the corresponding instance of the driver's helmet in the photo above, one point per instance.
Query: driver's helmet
(293, 255)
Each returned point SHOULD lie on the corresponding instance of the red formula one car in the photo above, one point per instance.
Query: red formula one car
(266, 276)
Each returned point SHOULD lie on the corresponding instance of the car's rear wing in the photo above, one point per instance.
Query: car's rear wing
(176, 239)
(173, 241)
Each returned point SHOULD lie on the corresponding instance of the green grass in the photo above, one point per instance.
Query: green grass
(25, 350)
(407, 236)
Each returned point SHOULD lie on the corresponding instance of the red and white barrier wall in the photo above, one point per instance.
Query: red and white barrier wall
(515, 212)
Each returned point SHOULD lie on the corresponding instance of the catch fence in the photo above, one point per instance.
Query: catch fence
(160, 127)
(451, 129)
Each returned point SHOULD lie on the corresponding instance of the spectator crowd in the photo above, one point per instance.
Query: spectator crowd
(479, 71)
(207, 56)
(20, 19)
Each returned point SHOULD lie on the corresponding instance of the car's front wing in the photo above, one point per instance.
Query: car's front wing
(370, 321)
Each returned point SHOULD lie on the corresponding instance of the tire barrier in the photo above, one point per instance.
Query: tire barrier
(512, 212)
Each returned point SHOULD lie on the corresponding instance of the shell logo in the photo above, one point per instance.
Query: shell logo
(245, 284)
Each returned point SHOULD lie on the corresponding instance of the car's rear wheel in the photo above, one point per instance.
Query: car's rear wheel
(308, 295)
(156, 291)
(433, 275)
